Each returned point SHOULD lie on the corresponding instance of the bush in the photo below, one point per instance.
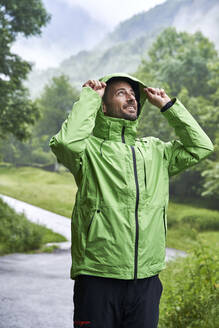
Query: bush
(191, 291)
(201, 222)
(198, 218)
(17, 234)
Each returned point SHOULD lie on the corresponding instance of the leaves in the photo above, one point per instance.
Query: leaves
(187, 67)
(16, 109)
(190, 298)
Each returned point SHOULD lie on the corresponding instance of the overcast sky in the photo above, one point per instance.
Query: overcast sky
(114, 11)
(59, 39)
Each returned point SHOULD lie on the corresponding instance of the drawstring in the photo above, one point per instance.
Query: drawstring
(101, 145)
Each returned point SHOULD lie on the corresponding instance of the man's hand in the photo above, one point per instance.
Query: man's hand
(97, 86)
(157, 97)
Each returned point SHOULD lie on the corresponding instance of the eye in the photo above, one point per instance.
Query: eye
(120, 93)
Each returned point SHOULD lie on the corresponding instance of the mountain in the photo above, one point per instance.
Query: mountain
(123, 49)
(70, 30)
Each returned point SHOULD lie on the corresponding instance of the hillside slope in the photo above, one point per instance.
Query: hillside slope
(123, 49)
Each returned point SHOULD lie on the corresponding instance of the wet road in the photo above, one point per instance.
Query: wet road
(36, 290)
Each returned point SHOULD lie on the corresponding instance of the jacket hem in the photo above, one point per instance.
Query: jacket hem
(117, 274)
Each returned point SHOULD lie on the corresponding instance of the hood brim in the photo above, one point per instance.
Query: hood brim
(137, 85)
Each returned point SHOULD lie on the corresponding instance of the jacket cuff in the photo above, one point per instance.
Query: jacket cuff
(168, 105)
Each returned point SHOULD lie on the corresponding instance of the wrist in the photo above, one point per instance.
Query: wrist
(168, 105)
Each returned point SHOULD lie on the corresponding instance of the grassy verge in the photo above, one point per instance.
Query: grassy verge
(190, 296)
(17, 234)
(56, 192)
(52, 191)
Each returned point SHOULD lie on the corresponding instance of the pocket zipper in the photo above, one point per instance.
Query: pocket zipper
(164, 223)
(89, 226)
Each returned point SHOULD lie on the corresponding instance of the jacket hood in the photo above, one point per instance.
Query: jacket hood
(107, 127)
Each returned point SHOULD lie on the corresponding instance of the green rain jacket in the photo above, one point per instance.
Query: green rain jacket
(119, 220)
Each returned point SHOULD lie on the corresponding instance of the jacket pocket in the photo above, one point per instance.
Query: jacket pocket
(91, 221)
(164, 221)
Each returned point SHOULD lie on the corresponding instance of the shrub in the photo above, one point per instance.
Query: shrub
(191, 291)
(198, 218)
(202, 222)
(17, 234)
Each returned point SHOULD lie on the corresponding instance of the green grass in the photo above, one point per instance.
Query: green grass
(17, 234)
(56, 192)
(52, 191)
(190, 296)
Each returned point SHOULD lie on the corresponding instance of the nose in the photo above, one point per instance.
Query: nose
(130, 96)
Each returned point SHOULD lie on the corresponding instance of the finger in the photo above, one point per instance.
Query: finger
(103, 84)
(90, 83)
(86, 84)
(158, 91)
(150, 90)
(97, 84)
(94, 84)
(162, 92)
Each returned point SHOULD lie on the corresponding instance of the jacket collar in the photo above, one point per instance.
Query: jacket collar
(116, 129)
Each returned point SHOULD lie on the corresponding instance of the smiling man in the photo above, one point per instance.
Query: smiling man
(119, 220)
(119, 100)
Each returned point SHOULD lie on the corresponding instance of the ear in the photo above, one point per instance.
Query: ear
(104, 108)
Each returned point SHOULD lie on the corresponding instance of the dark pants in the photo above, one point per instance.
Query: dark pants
(115, 303)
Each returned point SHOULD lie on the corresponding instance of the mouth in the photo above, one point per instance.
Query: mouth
(130, 108)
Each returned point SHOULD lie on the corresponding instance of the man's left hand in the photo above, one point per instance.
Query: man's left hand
(157, 97)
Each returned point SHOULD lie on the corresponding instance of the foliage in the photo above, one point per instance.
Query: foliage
(211, 175)
(201, 219)
(191, 290)
(187, 67)
(17, 234)
(54, 103)
(17, 111)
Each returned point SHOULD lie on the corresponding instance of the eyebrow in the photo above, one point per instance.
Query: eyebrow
(123, 89)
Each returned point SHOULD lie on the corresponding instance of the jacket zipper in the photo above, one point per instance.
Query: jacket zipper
(164, 214)
(123, 134)
(136, 206)
(136, 213)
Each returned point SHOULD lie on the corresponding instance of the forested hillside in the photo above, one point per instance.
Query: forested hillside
(123, 49)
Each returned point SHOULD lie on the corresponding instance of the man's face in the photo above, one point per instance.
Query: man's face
(120, 101)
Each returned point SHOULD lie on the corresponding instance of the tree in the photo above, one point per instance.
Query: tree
(55, 103)
(17, 111)
(187, 67)
(181, 60)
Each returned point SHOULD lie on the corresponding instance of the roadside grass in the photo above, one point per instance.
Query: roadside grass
(56, 192)
(190, 297)
(52, 191)
(17, 234)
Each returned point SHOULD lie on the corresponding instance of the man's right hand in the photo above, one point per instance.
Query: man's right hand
(97, 86)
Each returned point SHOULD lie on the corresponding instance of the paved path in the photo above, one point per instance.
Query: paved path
(35, 289)
(53, 221)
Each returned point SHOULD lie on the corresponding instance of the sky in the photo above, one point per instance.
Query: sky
(113, 11)
(60, 38)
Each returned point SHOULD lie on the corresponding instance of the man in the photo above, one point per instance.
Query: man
(119, 218)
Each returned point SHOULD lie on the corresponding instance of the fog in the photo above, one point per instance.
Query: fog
(206, 22)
